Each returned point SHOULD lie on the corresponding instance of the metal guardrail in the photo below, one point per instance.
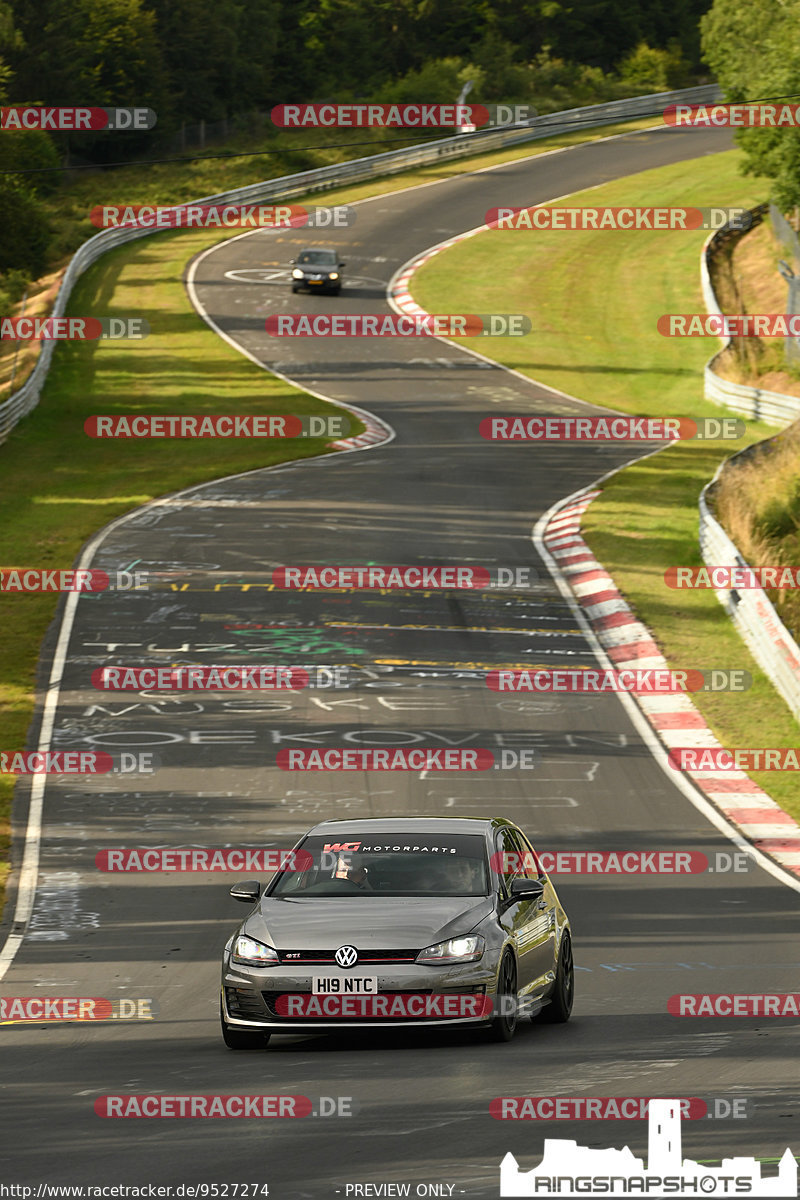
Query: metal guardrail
(752, 613)
(774, 408)
(23, 401)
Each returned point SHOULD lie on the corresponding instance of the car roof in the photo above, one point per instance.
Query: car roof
(432, 825)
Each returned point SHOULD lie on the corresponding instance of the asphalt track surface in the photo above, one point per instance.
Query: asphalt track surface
(436, 494)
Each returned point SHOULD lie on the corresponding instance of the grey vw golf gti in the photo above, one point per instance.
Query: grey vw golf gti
(400, 921)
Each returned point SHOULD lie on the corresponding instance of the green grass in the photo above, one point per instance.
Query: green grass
(594, 298)
(58, 487)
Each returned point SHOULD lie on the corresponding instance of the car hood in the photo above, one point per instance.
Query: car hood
(322, 269)
(367, 922)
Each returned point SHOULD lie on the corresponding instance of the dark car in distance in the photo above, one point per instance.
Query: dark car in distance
(399, 922)
(317, 269)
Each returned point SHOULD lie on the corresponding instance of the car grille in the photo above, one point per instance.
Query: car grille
(364, 956)
(244, 1003)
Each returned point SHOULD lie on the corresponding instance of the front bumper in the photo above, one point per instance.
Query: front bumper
(249, 995)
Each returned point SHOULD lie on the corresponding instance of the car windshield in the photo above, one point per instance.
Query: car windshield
(388, 865)
(317, 258)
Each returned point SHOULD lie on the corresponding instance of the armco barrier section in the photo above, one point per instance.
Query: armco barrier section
(23, 401)
(774, 408)
(755, 618)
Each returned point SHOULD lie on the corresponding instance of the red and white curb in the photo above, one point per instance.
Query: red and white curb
(375, 433)
(400, 287)
(674, 719)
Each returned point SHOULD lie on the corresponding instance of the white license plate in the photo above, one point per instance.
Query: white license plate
(344, 985)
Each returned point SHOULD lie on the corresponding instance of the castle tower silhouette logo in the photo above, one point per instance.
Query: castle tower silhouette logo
(568, 1169)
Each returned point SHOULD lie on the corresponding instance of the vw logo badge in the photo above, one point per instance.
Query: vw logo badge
(346, 956)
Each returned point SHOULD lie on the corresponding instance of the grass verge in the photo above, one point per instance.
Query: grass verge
(594, 298)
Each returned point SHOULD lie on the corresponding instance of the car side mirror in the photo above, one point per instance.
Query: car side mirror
(292, 260)
(526, 889)
(342, 264)
(248, 892)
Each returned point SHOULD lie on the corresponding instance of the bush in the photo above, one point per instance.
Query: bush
(24, 229)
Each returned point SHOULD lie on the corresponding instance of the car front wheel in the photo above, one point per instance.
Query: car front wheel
(560, 1006)
(504, 1024)
(242, 1039)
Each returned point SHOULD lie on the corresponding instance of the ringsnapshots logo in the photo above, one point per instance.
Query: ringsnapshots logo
(222, 216)
(546, 216)
(76, 120)
(273, 425)
(570, 1170)
(442, 325)
(610, 429)
(399, 116)
(73, 329)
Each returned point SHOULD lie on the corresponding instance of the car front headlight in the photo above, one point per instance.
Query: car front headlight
(254, 954)
(297, 273)
(333, 275)
(456, 950)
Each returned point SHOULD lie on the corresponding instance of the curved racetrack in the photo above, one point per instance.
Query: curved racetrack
(437, 494)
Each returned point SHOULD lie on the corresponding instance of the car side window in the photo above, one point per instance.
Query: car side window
(532, 866)
(509, 857)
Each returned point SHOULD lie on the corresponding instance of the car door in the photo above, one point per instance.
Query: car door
(526, 920)
(546, 906)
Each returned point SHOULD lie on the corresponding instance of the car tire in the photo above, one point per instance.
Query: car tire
(242, 1039)
(294, 291)
(335, 291)
(504, 1024)
(560, 1007)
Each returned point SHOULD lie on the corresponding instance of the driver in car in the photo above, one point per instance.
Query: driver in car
(350, 867)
